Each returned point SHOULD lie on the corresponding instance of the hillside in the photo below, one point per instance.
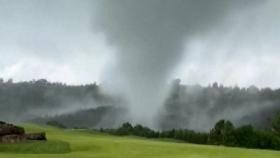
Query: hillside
(86, 144)
(100, 117)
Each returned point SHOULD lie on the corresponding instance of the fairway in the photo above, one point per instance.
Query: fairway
(85, 144)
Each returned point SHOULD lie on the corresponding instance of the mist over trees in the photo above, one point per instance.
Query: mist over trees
(199, 108)
(186, 107)
(26, 100)
(99, 117)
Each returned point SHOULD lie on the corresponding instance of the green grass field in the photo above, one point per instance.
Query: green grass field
(85, 144)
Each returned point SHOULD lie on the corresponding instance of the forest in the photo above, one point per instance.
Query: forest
(187, 106)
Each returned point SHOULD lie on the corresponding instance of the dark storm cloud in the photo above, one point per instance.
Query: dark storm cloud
(149, 34)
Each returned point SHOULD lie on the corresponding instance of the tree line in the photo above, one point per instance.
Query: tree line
(223, 133)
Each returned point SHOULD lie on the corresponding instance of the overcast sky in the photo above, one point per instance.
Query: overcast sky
(59, 40)
(51, 39)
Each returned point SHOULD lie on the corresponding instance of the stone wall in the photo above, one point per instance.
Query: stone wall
(10, 133)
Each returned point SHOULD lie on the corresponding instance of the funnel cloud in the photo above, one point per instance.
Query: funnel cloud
(149, 38)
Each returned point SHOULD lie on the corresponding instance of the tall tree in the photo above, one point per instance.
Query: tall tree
(276, 123)
(222, 133)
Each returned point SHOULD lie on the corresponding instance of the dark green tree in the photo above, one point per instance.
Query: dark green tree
(222, 133)
(276, 123)
(125, 129)
(245, 136)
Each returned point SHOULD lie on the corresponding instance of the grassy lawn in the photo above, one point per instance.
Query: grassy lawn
(86, 144)
(38, 147)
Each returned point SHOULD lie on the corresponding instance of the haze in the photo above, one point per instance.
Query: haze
(136, 48)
